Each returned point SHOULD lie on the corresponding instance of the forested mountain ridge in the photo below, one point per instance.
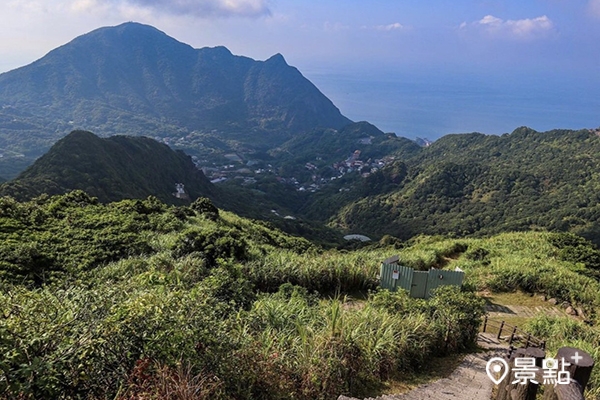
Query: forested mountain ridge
(482, 184)
(331, 145)
(469, 184)
(111, 169)
(135, 167)
(134, 79)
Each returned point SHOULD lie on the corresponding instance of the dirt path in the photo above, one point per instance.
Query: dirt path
(500, 311)
(468, 381)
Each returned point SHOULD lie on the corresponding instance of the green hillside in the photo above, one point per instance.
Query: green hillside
(134, 79)
(328, 146)
(139, 299)
(128, 167)
(111, 169)
(479, 184)
(355, 180)
(136, 299)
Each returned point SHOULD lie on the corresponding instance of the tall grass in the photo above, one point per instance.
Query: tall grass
(525, 261)
(325, 349)
(229, 329)
(572, 333)
(326, 272)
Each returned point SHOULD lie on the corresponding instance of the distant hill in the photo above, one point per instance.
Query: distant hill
(317, 157)
(111, 169)
(130, 167)
(134, 79)
(483, 184)
(331, 145)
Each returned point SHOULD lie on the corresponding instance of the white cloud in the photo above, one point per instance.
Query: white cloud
(31, 6)
(196, 8)
(390, 27)
(88, 6)
(84, 5)
(528, 28)
(207, 8)
(396, 26)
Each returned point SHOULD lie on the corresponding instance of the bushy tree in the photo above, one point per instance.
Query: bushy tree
(203, 206)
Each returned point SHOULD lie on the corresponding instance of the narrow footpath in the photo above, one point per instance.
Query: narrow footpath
(469, 381)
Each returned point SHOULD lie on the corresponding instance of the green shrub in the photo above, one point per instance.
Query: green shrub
(212, 244)
(575, 249)
(204, 206)
(461, 313)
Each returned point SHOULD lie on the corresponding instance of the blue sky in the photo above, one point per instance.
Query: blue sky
(551, 41)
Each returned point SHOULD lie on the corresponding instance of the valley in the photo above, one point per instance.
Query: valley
(269, 140)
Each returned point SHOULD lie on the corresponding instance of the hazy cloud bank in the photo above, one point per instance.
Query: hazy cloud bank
(196, 8)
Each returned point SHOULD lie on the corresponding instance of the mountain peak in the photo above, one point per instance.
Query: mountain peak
(135, 25)
(134, 79)
(221, 50)
(128, 34)
(80, 135)
(277, 59)
(127, 29)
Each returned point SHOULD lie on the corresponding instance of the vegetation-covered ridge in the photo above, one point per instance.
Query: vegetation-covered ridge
(483, 184)
(130, 167)
(111, 169)
(135, 79)
(140, 299)
(462, 185)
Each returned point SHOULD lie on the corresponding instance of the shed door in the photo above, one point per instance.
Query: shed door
(419, 284)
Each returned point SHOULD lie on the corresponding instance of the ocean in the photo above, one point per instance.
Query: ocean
(430, 104)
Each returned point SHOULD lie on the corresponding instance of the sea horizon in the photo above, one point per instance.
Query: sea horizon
(432, 104)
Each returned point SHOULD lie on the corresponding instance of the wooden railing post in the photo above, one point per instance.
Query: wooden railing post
(580, 370)
(572, 391)
(512, 336)
(523, 338)
(502, 393)
(507, 390)
(500, 330)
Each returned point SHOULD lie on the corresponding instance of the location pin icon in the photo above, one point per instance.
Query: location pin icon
(493, 368)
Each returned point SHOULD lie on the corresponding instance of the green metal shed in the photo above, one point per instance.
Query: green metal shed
(418, 284)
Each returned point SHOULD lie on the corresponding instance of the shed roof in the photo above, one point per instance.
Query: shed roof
(392, 260)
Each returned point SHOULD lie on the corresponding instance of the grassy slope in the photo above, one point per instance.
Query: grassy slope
(196, 302)
(530, 262)
(125, 299)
